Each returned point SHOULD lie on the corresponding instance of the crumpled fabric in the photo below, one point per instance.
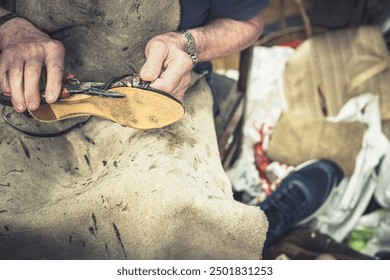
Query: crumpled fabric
(349, 200)
(382, 191)
(265, 103)
(377, 224)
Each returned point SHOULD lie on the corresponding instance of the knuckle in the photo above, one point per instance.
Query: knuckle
(29, 49)
(14, 71)
(33, 65)
(57, 66)
(169, 88)
(7, 58)
(56, 46)
(156, 43)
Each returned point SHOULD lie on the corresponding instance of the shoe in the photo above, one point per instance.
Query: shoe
(140, 108)
(125, 99)
(299, 195)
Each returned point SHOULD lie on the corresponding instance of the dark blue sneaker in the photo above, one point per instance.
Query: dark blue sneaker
(299, 195)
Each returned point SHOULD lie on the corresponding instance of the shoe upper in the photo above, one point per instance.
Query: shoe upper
(299, 195)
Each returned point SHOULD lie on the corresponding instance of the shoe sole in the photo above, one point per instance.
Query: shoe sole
(140, 109)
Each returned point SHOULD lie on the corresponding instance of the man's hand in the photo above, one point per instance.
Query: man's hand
(168, 65)
(25, 52)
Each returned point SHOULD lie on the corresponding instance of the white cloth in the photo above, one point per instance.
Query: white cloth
(378, 222)
(265, 103)
(350, 199)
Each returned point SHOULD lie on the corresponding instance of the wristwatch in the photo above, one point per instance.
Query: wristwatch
(190, 46)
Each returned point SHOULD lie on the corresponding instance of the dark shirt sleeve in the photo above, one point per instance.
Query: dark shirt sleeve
(199, 12)
(236, 9)
(195, 13)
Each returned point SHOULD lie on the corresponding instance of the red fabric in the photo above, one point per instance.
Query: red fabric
(261, 158)
(270, 172)
(292, 44)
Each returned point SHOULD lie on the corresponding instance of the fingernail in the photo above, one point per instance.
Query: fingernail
(20, 107)
(33, 106)
(49, 99)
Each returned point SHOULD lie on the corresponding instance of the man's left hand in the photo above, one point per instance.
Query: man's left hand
(168, 65)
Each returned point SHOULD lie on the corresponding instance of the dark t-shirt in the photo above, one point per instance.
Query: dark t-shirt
(198, 12)
(195, 13)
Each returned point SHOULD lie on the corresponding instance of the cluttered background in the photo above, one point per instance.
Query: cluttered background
(314, 153)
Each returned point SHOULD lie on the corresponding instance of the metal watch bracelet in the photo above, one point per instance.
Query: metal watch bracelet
(190, 46)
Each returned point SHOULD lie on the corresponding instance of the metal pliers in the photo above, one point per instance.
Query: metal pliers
(71, 86)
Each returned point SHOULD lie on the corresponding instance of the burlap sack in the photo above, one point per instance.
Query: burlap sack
(297, 139)
(322, 75)
(327, 70)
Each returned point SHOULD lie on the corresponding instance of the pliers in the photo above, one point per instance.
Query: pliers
(71, 86)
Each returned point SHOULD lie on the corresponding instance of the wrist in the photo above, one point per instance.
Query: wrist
(4, 21)
(7, 17)
(17, 29)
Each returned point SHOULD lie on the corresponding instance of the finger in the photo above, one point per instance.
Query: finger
(32, 73)
(156, 53)
(15, 77)
(182, 88)
(173, 74)
(55, 73)
(4, 83)
(179, 90)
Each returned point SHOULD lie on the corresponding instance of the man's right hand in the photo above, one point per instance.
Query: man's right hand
(25, 51)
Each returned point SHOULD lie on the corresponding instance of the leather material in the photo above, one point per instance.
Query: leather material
(105, 191)
(86, 28)
(141, 109)
(297, 139)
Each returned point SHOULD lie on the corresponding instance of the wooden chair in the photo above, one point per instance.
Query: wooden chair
(231, 96)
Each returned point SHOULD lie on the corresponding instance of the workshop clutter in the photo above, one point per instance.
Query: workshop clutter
(328, 99)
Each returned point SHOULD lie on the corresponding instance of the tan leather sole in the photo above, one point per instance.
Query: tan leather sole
(140, 109)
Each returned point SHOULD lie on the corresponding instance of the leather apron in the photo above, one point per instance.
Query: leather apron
(110, 192)
(102, 38)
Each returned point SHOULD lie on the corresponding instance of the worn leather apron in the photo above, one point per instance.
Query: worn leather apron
(109, 192)
(102, 38)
